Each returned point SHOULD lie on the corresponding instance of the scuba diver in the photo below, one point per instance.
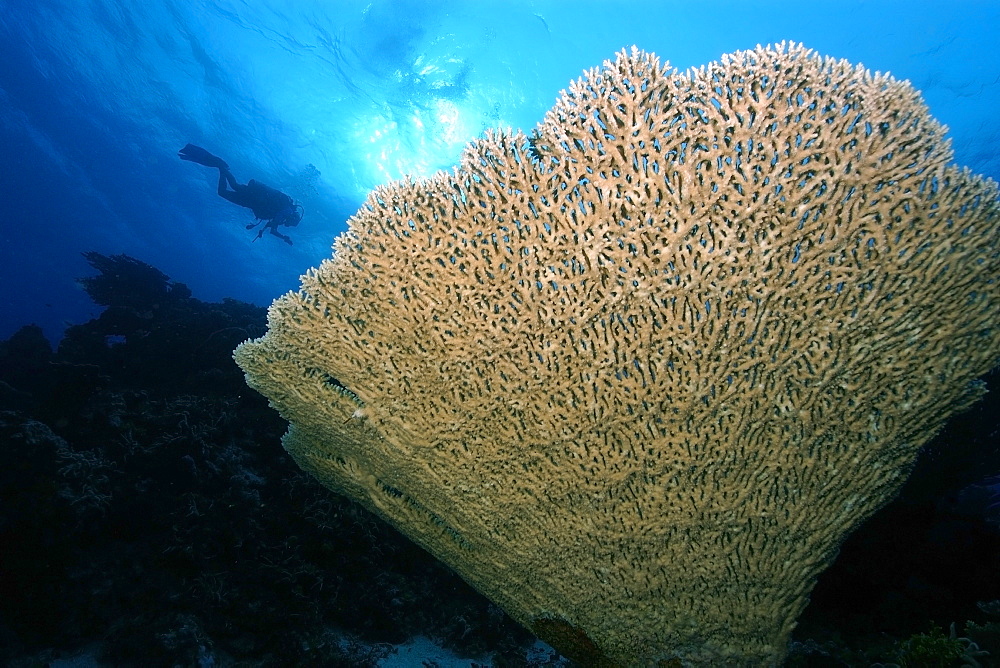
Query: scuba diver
(270, 207)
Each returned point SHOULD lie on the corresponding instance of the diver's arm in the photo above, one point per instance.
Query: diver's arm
(275, 232)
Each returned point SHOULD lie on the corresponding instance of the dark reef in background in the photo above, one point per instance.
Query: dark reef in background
(146, 505)
(147, 509)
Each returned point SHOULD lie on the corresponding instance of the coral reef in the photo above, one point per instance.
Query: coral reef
(159, 522)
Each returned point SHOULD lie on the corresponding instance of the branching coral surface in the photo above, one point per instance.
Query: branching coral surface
(637, 377)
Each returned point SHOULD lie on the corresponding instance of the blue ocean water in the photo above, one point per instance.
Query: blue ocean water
(327, 99)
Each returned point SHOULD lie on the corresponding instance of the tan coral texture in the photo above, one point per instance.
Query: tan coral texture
(636, 376)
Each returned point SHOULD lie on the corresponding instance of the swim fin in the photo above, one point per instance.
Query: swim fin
(202, 157)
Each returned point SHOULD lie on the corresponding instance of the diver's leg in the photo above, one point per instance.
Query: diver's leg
(235, 195)
(226, 178)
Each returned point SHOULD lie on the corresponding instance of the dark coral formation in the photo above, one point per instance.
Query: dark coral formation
(145, 503)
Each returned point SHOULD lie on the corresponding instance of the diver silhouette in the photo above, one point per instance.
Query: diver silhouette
(271, 207)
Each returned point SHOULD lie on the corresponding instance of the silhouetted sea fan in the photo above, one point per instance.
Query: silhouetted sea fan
(128, 283)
